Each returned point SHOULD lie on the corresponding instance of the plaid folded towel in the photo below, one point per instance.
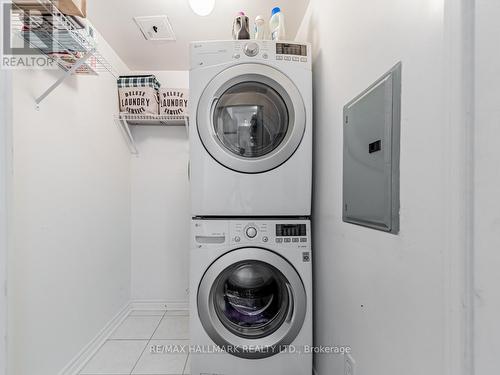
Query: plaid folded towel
(138, 81)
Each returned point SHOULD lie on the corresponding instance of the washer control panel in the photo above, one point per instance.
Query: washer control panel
(288, 233)
(215, 233)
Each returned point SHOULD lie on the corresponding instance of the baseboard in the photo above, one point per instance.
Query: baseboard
(76, 365)
(159, 305)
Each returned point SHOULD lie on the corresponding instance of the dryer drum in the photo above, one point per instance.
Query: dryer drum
(251, 118)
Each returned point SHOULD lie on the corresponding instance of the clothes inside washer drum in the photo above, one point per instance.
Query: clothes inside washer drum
(253, 296)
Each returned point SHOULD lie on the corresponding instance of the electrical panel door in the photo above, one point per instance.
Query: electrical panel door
(371, 155)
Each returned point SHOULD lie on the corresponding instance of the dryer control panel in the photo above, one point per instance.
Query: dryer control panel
(280, 53)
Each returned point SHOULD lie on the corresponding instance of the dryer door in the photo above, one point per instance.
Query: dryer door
(251, 118)
(252, 303)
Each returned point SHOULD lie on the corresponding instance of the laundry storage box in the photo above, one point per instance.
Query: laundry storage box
(139, 94)
(174, 102)
(68, 7)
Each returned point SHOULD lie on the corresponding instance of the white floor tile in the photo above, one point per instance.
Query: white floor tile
(162, 363)
(136, 328)
(173, 327)
(147, 313)
(115, 358)
(178, 312)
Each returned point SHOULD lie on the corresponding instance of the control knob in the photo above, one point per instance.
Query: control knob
(251, 49)
(251, 232)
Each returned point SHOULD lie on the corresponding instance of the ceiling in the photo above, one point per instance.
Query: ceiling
(114, 20)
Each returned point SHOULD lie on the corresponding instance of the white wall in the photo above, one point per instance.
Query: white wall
(487, 187)
(5, 129)
(160, 208)
(69, 264)
(388, 297)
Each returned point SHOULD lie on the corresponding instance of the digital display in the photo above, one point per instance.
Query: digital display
(291, 230)
(291, 49)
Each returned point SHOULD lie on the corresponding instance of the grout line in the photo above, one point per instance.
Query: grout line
(185, 365)
(147, 344)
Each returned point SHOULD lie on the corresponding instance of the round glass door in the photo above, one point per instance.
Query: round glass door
(251, 122)
(250, 119)
(251, 299)
(251, 302)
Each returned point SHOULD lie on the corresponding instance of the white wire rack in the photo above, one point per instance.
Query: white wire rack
(67, 41)
(126, 120)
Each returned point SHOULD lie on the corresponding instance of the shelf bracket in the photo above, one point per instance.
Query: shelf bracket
(65, 75)
(125, 128)
(125, 121)
(186, 124)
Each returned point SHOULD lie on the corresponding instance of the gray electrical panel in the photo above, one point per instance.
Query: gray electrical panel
(372, 124)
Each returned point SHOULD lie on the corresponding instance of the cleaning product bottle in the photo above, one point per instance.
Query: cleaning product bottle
(277, 24)
(241, 27)
(260, 28)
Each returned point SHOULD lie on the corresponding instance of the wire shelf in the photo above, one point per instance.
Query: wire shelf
(64, 39)
(158, 120)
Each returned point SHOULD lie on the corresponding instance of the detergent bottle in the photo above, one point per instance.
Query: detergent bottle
(277, 24)
(241, 27)
(260, 28)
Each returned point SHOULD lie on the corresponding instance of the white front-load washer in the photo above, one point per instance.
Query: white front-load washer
(251, 297)
(250, 128)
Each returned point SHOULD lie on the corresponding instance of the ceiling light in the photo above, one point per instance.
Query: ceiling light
(202, 7)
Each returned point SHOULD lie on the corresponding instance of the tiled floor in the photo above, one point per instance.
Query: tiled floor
(139, 346)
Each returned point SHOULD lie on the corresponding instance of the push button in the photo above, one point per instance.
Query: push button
(303, 240)
(279, 240)
(288, 240)
(295, 240)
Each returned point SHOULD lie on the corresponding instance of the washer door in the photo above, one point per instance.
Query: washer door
(252, 303)
(251, 118)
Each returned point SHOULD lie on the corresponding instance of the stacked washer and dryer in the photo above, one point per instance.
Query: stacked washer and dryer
(251, 176)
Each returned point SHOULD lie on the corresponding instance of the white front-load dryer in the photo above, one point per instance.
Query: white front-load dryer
(250, 128)
(251, 297)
